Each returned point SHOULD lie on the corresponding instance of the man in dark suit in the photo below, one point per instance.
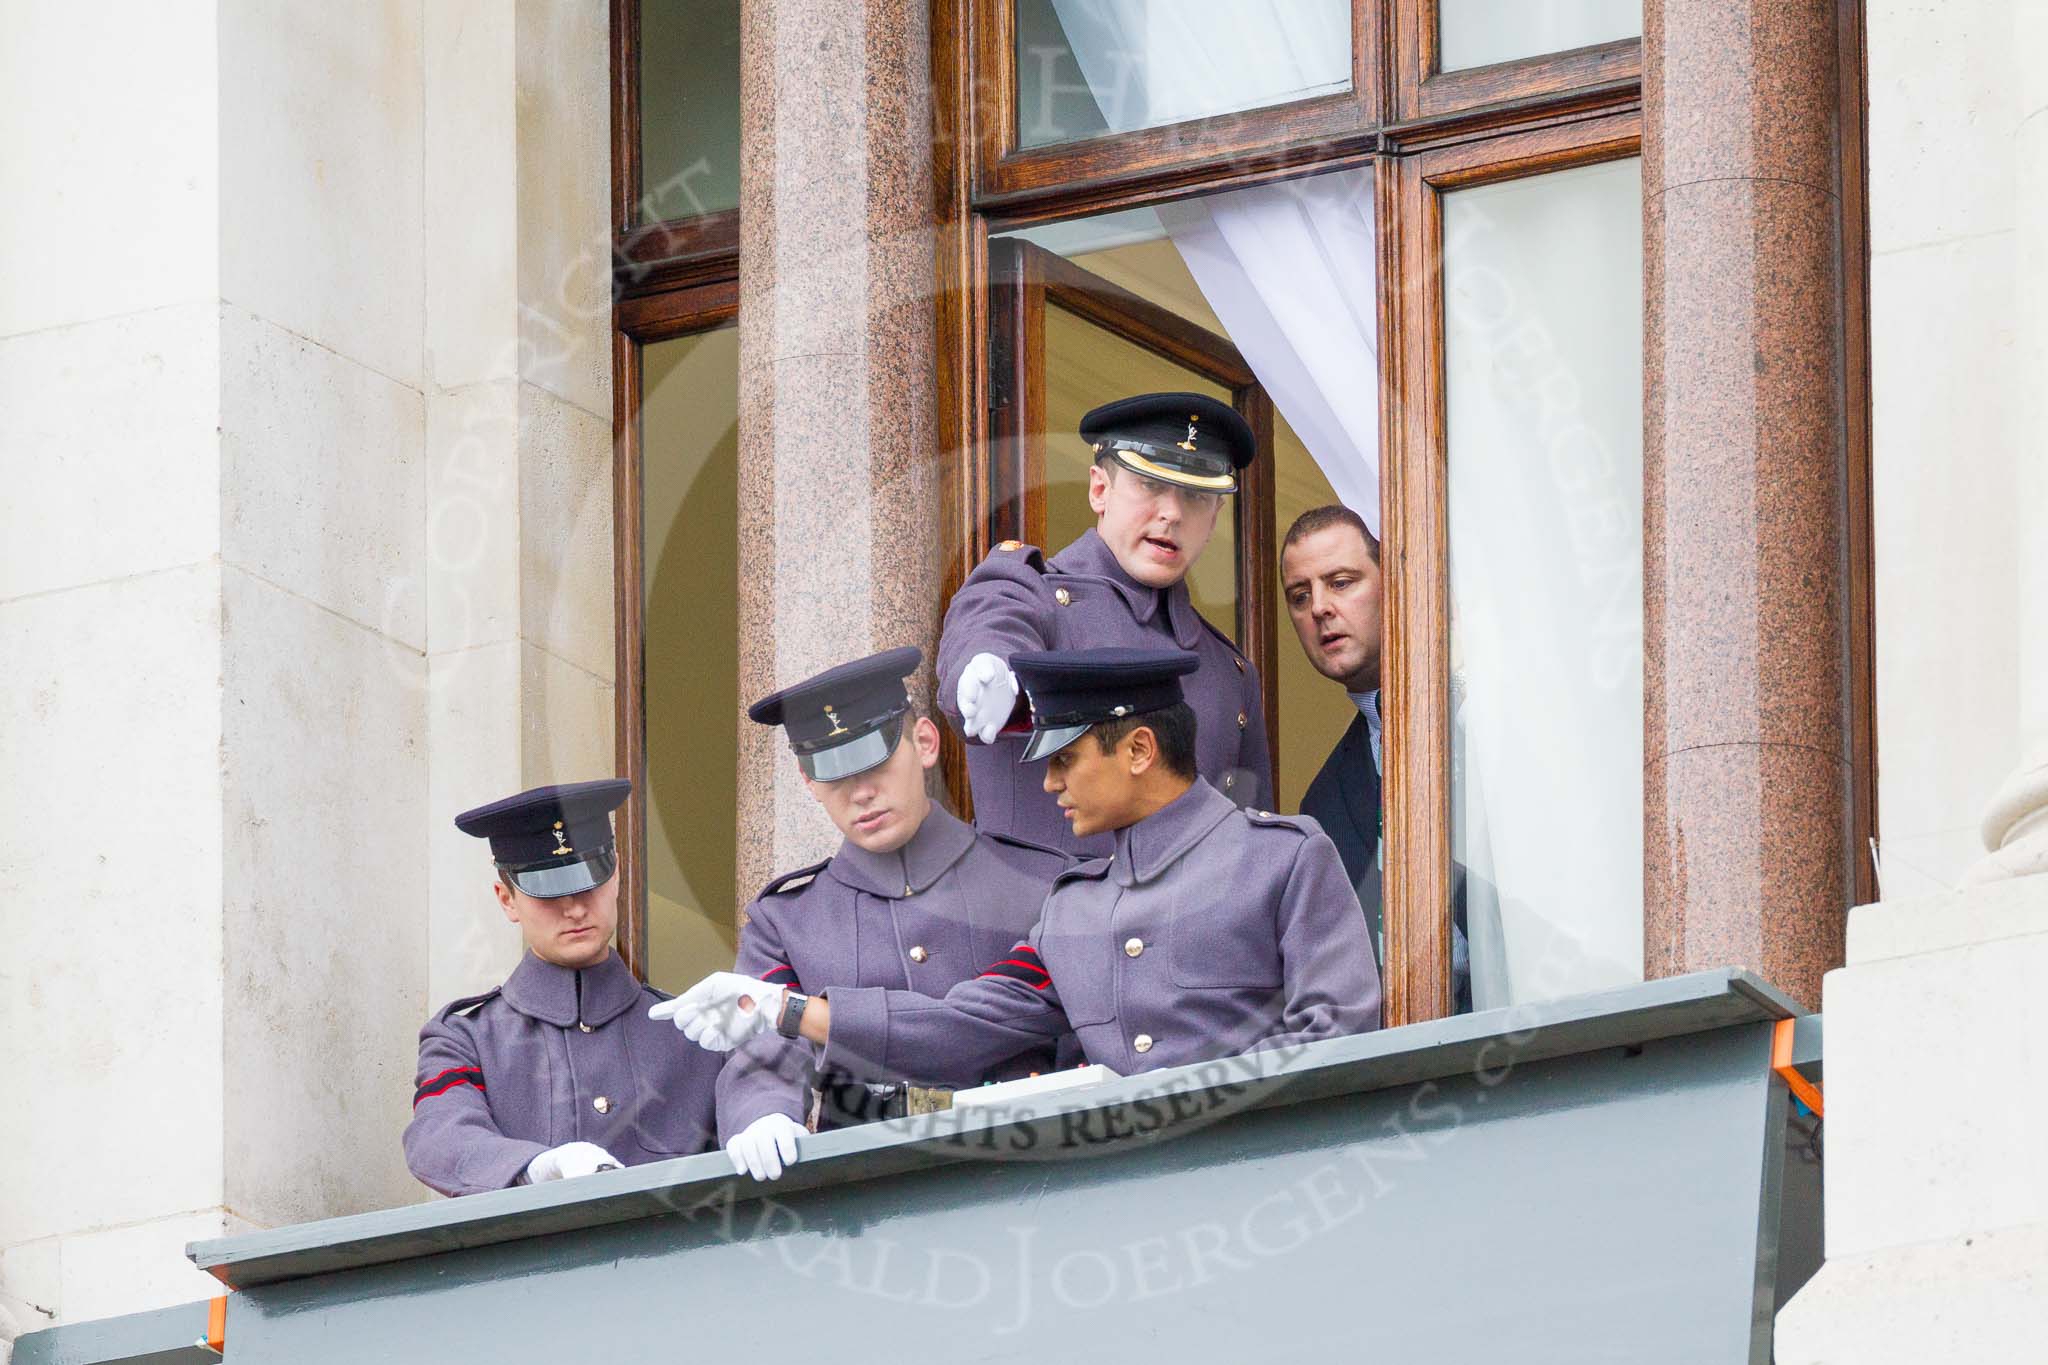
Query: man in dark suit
(1330, 576)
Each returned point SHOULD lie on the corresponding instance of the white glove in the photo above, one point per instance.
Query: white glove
(987, 695)
(723, 1010)
(570, 1159)
(764, 1147)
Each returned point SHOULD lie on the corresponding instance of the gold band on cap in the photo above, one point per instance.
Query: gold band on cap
(1207, 483)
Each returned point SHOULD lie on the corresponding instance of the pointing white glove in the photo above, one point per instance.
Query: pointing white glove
(723, 1010)
(570, 1159)
(987, 694)
(765, 1146)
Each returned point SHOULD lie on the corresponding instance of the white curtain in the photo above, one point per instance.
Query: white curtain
(1288, 268)
(1153, 62)
(1543, 403)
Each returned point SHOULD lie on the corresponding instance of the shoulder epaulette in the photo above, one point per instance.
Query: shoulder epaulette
(468, 1004)
(657, 992)
(1015, 553)
(1088, 869)
(793, 881)
(1300, 824)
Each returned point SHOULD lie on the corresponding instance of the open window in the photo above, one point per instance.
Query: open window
(1085, 129)
(1063, 340)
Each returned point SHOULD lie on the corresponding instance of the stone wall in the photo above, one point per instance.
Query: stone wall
(1937, 1209)
(1958, 284)
(306, 356)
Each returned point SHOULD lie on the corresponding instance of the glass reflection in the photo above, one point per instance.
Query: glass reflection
(1543, 379)
(689, 412)
(689, 108)
(1089, 67)
(1483, 32)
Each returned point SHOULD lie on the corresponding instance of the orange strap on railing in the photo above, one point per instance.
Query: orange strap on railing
(217, 1323)
(1781, 1062)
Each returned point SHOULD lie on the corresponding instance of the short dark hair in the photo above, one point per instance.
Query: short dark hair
(1173, 726)
(1323, 518)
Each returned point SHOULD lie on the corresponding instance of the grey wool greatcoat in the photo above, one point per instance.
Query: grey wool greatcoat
(930, 915)
(1016, 600)
(554, 1056)
(1210, 931)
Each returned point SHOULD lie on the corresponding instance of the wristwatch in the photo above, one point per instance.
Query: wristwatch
(792, 1016)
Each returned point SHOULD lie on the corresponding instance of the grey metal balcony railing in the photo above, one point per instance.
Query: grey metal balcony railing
(1614, 1177)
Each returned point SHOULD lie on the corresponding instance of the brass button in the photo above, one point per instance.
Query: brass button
(602, 1105)
(1142, 1043)
(1011, 545)
(1062, 596)
(918, 954)
(1229, 781)
(583, 1027)
(1133, 946)
(1239, 663)
(1242, 720)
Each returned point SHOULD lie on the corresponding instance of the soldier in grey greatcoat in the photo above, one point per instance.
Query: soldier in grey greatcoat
(1208, 932)
(1163, 465)
(913, 900)
(558, 1072)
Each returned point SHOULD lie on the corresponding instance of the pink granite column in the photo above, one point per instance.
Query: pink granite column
(1746, 773)
(839, 518)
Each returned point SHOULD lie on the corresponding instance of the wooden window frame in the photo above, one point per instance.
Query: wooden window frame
(641, 322)
(669, 279)
(1415, 534)
(1273, 137)
(648, 257)
(1423, 90)
(1038, 279)
(1518, 118)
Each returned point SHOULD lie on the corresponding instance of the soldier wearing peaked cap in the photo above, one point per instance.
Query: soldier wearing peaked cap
(1164, 462)
(913, 900)
(558, 1072)
(1208, 931)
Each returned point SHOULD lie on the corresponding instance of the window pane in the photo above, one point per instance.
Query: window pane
(1089, 67)
(690, 536)
(1285, 274)
(1543, 374)
(689, 108)
(1085, 367)
(1483, 32)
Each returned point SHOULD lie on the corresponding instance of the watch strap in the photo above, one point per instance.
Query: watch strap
(791, 1017)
